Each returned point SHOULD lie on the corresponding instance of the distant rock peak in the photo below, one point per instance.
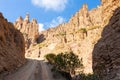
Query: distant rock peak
(26, 18)
(85, 7)
(20, 19)
(34, 21)
(28, 28)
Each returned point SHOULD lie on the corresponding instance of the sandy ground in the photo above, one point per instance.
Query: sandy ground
(34, 69)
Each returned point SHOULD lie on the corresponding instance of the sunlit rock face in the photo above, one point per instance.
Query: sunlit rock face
(12, 48)
(78, 35)
(28, 29)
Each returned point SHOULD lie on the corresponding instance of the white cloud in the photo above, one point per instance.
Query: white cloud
(41, 27)
(55, 5)
(56, 22)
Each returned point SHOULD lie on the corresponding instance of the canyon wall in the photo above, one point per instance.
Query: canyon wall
(92, 35)
(78, 35)
(12, 48)
(106, 53)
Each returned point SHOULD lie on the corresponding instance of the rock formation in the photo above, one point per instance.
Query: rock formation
(106, 54)
(28, 29)
(80, 35)
(12, 48)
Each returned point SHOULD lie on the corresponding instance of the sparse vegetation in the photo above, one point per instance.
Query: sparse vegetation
(83, 30)
(65, 63)
(50, 57)
(92, 27)
(63, 33)
(41, 44)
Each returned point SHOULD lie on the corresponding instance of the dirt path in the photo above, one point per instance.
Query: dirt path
(32, 70)
(24, 73)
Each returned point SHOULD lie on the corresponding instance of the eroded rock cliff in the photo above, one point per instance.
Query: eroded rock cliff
(78, 35)
(106, 54)
(12, 48)
(28, 29)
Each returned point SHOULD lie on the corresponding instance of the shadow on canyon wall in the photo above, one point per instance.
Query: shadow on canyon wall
(41, 38)
(106, 53)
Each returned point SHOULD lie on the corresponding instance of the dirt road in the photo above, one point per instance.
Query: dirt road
(32, 70)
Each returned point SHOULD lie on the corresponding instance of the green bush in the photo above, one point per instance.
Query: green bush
(83, 30)
(62, 33)
(41, 45)
(50, 58)
(65, 63)
(93, 27)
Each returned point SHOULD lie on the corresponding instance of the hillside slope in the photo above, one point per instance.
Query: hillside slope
(12, 48)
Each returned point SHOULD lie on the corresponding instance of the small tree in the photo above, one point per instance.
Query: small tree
(50, 58)
(65, 63)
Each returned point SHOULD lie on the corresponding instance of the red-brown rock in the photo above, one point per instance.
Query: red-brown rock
(12, 48)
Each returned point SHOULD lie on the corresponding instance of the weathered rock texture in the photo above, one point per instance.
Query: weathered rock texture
(28, 29)
(108, 7)
(78, 35)
(106, 54)
(12, 47)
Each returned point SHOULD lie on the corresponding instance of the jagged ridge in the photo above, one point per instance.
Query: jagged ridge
(29, 30)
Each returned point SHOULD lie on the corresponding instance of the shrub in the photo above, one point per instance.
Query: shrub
(50, 58)
(83, 30)
(41, 44)
(65, 63)
(93, 27)
(62, 33)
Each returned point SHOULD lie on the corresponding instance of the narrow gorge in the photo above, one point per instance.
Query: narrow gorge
(93, 35)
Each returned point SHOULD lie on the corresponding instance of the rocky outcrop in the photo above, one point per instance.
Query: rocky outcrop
(28, 29)
(78, 35)
(106, 54)
(108, 7)
(12, 48)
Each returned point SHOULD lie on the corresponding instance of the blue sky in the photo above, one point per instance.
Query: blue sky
(48, 13)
